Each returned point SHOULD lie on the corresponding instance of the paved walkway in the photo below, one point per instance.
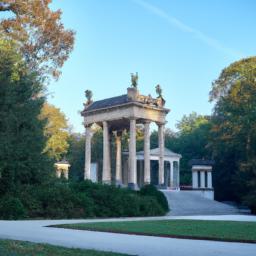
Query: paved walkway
(35, 231)
(188, 203)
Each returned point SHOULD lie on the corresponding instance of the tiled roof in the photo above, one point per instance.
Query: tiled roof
(110, 102)
(201, 162)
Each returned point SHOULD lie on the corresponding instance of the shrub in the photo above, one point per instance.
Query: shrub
(11, 208)
(61, 199)
(150, 190)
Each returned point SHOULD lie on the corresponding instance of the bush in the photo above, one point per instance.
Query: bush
(61, 199)
(150, 190)
(11, 208)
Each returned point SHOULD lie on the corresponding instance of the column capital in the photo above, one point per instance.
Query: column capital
(161, 123)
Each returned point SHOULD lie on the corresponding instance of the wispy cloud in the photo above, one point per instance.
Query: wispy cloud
(174, 22)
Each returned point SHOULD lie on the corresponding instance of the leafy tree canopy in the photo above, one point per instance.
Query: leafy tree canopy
(191, 122)
(38, 32)
(234, 130)
(56, 131)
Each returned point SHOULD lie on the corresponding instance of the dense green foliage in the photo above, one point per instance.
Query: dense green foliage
(234, 132)
(200, 229)
(18, 248)
(21, 132)
(150, 190)
(85, 199)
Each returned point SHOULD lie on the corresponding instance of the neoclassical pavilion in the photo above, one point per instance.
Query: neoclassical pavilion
(121, 113)
(171, 168)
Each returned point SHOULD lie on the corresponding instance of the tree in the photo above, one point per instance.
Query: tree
(38, 32)
(191, 122)
(234, 130)
(76, 156)
(56, 131)
(192, 142)
(21, 132)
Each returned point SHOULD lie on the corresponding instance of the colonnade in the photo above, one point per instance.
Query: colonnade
(132, 166)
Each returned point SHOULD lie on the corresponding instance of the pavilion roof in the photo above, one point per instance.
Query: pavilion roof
(110, 102)
(201, 162)
(156, 152)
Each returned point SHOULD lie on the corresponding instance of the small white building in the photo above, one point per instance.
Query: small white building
(171, 168)
(202, 177)
(62, 168)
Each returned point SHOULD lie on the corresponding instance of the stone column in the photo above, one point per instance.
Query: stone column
(106, 174)
(171, 174)
(194, 179)
(161, 153)
(58, 173)
(209, 179)
(65, 174)
(88, 138)
(132, 175)
(178, 175)
(147, 179)
(202, 179)
(118, 158)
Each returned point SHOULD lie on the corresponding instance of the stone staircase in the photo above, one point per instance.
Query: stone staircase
(184, 203)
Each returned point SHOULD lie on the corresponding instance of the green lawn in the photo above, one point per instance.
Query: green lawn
(17, 248)
(213, 230)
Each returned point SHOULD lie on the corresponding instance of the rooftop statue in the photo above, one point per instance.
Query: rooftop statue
(159, 91)
(134, 80)
(88, 95)
(160, 99)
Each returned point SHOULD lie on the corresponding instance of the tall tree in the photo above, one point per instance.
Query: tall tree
(56, 131)
(21, 132)
(38, 32)
(234, 131)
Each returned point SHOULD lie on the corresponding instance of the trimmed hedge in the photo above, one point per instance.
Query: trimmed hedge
(84, 199)
(150, 190)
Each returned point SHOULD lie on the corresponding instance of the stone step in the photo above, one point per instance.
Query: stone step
(189, 203)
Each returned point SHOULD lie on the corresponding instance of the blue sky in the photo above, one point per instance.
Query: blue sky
(181, 44)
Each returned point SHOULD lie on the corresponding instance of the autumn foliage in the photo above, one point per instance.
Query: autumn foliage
(39, 33)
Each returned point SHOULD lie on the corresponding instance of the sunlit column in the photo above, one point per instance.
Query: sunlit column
(106, 174)
(88, 138)
(132, 175)
(161, 153)
(147, 152)
(118, 158)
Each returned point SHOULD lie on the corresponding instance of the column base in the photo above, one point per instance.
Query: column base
(133, 186)
(145, 183)
(107, 182)
(161, 186)
(119, 183)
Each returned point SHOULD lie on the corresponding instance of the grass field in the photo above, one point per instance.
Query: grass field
(17, 248)
(195, 229)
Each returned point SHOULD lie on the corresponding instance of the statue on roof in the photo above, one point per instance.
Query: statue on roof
(88, 95)
(134, 80)
(160, 99)
(159, 91)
